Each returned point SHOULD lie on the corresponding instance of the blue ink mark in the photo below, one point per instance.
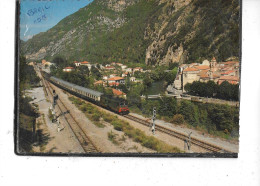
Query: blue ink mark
(46, 7)
(40, 19)
(34, 11)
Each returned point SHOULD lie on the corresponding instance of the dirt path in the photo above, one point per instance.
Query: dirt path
(50, 139)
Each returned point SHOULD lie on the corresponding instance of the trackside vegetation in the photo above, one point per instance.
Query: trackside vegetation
(27, 113)
(225, 90)
(215, 119)
(94, 114)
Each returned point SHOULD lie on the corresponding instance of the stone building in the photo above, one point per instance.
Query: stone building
(214, 71)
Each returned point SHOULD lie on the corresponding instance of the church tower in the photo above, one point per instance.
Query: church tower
(213, 64)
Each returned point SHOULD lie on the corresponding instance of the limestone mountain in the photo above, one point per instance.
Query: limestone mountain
(143, 31)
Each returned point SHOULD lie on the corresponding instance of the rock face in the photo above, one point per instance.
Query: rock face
(120, 5)
(155, 32)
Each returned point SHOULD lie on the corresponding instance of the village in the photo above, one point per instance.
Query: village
(208, 70)
(114, 75)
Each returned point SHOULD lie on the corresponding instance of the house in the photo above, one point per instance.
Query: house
(207, 71)
(132, 79)
(113, 84)
(113, 63)
(105, 77)
(138, 69)
(228, 73)
(76, 63)
(119, 80)
(118, 93)
(231, 79)
(130, 70)
(85, 63)
(119, 64)
(123, 67)
(193, 64)
(99, 83)
(125, 74)
(201, 67)
(68, 69)
(112, 75)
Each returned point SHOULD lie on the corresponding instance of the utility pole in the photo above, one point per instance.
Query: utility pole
(188, 142)
(154, 116)
(54, 102)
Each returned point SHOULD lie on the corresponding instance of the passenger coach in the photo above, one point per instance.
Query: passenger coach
(77, 90)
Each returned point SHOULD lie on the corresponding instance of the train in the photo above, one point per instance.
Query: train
(115, 104)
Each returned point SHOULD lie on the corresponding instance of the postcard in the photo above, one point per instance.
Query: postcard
(130, 78)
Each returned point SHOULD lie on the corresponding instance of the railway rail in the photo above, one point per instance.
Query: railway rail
(194, 141)
(205, 145)
(85, 142)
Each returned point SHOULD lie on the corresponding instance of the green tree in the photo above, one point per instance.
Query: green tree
(95, 72)
(84, 70)
(190, 112)
(147, 81)
(170, 76)
(60, 62)
(168, 106)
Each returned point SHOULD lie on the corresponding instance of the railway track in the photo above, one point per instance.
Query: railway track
(85, 142)
(194, 141)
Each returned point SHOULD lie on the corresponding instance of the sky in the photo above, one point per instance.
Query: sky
(41, 15)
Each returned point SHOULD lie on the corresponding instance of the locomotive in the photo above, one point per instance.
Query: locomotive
(118, 105)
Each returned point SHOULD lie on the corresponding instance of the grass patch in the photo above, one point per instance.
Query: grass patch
(50, 115)
(112, 137)
(99, 124)
(89, 110)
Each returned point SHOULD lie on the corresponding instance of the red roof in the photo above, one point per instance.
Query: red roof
(84, 62)
(202, 67)
(229, 78)
(99, 82)
(117, 92)
(113, 84)
(204, 76)
(228, 72)
(231, 62)
(190, 69)
(115, 78)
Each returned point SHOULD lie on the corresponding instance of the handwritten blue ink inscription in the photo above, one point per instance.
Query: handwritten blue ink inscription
(39, 12)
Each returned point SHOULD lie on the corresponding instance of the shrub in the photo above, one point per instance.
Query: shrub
(108, 118)
(112, 137)
(95, 117)
(117, 125)
(178, 119)
(83, 107)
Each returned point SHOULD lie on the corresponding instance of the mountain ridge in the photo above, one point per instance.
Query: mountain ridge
(155, 32)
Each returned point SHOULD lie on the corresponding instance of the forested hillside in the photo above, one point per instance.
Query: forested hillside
(143, 31)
